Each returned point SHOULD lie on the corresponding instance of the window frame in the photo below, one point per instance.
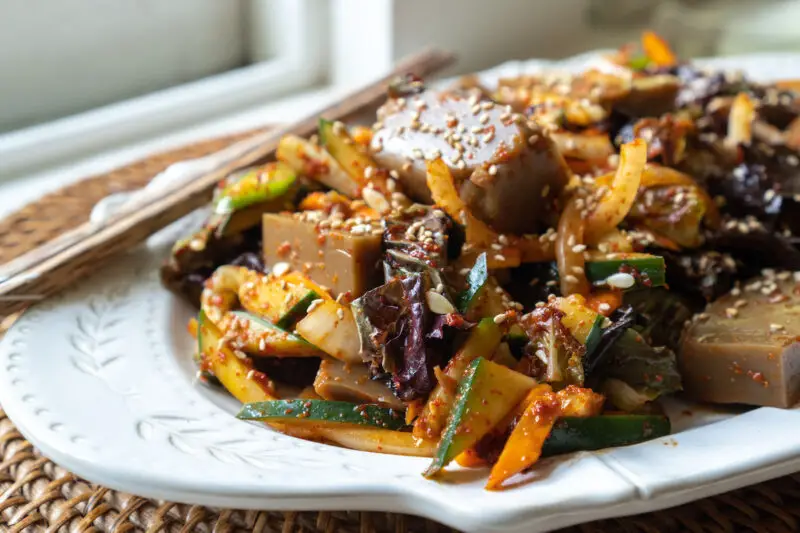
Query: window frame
(286, 38)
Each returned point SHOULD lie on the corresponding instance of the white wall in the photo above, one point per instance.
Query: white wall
(59, 57)
(488, 32)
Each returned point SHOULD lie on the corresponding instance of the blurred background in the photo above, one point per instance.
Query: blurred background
(84, 75)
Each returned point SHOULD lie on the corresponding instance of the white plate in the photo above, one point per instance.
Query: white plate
(100, 379)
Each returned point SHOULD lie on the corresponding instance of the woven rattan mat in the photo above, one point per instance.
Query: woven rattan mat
(37, 495)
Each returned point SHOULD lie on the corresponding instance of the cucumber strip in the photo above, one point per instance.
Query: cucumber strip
(486, 394)
(282, 300)
(572, 434)
(483, 340)
(647, 270)
(323, 412)
(256, 186)
(352, 160)
(235, 374)
(263, 338)
(584, 323)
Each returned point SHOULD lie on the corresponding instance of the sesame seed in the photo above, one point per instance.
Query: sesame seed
(493, 170)
(250, 374)
(485, 118)
(499, 319)
(604, 307)
(702, 317)
(369, 172)
(740, 303)
(621, 280)
(340, 313)
(736, 291)
(281, 268)
(475, 109)
(502, 239)
(578, 270)
(776, 327)
(579, 248)
(499, 257)
(731, 312)
(314, 304)
(487, 105)
(496, 246)
(570, 278)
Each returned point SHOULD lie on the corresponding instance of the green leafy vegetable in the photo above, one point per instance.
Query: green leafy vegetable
(476, 279)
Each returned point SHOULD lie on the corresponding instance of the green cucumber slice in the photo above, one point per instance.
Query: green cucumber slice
(324, 412)
(241, 203)
(486, 393)
(277, 342)
(647, 270)
(572, 434)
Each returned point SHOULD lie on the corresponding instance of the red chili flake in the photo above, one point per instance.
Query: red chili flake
(288, 411)
(284, 248)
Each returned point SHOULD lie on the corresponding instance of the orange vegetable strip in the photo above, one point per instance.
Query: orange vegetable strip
(569, 251)
(657, 50)
(614, 206)
(524, 446)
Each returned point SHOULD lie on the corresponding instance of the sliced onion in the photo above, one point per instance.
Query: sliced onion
(740, 121)
(584, 146)
(614, 206)
(571, 262)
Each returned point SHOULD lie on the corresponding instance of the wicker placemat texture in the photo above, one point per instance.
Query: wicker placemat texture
(37, 495)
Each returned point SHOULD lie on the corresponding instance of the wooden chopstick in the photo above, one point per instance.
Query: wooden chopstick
(57, 264)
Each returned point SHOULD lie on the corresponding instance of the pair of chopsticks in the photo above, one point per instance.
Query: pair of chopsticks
(77, 253)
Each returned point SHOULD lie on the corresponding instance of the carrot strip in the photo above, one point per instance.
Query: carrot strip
(657, 50)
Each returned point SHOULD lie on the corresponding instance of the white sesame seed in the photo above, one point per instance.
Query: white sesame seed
(570, 278)
(250, 374)
(731, 312)
(340, 313)
(314, 304)
(376, 200)
(281, 268)
(579, 248)
(499, 257)
(499, 319)
(604, 307)
(540, 353)
(776, 327)
(493, 170)
(485, 118)
(621, 280)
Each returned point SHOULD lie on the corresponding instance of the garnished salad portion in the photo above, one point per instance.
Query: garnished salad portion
(490, 275)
